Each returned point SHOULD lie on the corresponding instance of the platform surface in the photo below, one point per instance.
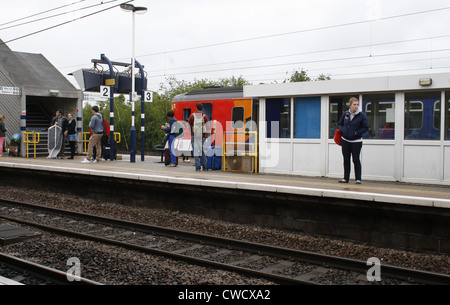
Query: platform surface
(152, 170)
(7, 281)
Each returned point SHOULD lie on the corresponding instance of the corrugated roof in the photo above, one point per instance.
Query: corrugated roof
(27, 69)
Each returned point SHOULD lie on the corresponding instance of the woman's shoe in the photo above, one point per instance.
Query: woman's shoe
(358, 181)
(343, 181)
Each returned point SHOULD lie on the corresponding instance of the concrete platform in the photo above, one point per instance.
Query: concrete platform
(6, 281)
(152, 170)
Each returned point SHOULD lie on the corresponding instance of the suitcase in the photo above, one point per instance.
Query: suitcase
(13, 149)
(106, 152)
(167, 157)
(214, 158)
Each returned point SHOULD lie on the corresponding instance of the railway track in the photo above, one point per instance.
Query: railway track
(276, 264)
(26, 272)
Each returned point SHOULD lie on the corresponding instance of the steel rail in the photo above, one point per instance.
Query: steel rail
(57, 276)
(390, 271)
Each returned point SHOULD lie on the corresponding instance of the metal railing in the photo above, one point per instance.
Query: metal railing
(117, 139)
(36, 140)
(237, 145)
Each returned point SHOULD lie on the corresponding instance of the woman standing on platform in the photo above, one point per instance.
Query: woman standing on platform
(72, 134)
(2, 133)
(353, 125)
(174, 129)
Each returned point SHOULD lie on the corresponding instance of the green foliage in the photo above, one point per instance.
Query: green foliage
(302, 76)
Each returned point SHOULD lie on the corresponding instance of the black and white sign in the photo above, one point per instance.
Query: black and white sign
(105, 92)
(148, 96)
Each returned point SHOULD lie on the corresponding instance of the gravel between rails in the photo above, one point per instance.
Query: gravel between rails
(113, 265)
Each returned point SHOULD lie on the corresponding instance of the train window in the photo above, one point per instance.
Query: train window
(307, 117)
(338, 104)
(237, 117)
(422, 116)
(278, 113)
(380, 112)
(186, 114)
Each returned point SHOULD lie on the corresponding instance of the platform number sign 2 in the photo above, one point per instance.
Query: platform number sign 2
(148, 96)
(105, 92)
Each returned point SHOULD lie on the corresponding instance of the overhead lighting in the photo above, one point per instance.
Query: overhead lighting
(135, 9)
(425, 81)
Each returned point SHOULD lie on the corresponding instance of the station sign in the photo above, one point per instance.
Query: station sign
(10, 90)
(148, 96)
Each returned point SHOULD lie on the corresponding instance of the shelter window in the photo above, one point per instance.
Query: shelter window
(237, 117)
(338, 105)
(422, 116)
(447, 115)
(380, 112)
(278, 113)
(307, 117)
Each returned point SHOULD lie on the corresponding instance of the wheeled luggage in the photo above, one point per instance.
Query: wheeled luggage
(214, 158)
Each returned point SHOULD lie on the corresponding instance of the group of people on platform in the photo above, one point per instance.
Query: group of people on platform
(199, 133)
(68, 127)
(352, 125)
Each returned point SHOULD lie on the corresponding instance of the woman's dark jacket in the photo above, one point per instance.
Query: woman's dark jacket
(71, 127)
(354, 129)
(176, 130)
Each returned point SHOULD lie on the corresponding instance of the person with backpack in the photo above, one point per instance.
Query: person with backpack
(97, 127)
(197, 121)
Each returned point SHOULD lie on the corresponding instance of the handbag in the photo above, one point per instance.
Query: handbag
(337, 137)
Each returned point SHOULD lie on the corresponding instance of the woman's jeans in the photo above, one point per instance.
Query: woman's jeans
(173, 156)
(353, 150)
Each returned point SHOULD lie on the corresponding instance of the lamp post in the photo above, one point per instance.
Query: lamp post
(138, 10)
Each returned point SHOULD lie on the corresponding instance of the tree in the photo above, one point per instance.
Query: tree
(302, 76)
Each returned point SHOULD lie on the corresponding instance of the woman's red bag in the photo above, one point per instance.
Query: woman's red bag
(337, 137)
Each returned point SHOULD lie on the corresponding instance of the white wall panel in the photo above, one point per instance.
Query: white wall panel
(447, 163)
(378, 161)
(276, 157)
(306, 159)
(335, 161)
(422, 162)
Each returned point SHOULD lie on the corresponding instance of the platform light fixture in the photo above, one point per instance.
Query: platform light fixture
(54, 93)
(425, 81)
(138, 10)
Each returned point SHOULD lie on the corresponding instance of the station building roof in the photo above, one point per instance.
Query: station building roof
(439, 81)
(32, 70)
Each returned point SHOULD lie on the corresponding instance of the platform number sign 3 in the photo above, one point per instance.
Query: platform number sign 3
(105, 92)
(148, 96)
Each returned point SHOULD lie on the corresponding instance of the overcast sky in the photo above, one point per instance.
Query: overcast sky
(261, 40)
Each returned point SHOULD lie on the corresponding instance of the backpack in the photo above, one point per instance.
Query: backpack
(199, 124)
